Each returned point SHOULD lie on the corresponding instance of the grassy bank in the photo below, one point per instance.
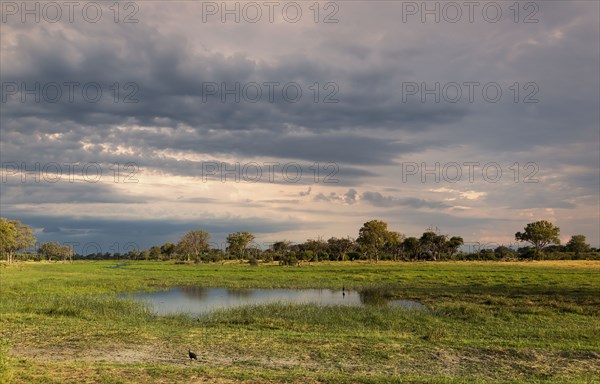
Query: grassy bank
(487, 322)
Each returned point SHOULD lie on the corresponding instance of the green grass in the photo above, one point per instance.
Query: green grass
(535, 322)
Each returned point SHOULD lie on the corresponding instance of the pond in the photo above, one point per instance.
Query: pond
(198, 301)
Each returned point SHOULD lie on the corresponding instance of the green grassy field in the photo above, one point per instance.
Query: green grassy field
(535, 322)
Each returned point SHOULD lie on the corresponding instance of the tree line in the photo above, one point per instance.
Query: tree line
(374, 242)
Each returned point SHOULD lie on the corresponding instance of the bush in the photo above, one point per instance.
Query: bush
(571, 256)
(307, 255)
(527, 253)
(213, 257)
(482, 255)
(288, 260)
(253, 261)
(503, 252)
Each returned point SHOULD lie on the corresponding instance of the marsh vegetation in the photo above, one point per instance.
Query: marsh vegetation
(485, 322)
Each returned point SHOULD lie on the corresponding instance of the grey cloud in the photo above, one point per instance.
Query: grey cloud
(62, 192)
(350, 197)
(379, 200)
(369, 55)
(141, 233)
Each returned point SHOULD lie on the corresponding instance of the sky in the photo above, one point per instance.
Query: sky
(127, 124)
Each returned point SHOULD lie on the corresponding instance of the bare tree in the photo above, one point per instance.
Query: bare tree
(193, 244)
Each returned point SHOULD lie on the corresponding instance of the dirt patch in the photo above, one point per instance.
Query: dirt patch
(149, 354)
(486, 364)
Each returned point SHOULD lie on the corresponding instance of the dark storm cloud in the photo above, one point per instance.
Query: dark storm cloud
(170, 80)
(44, 192)
(172, 83)
(210, 172)
(169, 56)
(350, 149)
(140, 233)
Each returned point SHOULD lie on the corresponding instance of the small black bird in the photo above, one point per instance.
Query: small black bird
(192, 355)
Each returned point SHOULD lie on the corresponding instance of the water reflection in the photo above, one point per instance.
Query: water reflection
(374, 297)
(201, 300)
(198, 293)
(242, 293)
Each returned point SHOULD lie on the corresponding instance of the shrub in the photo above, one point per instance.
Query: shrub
(288, 260)
(484, 254)
(307, 255)
(527, 253)
(503, 252)
(214, 257)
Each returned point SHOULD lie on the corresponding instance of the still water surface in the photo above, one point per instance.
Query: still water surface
(198, 301)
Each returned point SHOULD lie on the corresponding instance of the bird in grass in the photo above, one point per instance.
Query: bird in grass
(192, 355)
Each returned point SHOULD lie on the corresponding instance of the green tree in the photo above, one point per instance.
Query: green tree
(539, 234)
(393, 245)
(318, 249)
(167, 249)
(193, 244)
(238, 243)
(8, 234)
(281, 246)
(145, 255)
(318, 245)
(340, 247)
(53, 250)
(411, 247)
(67, 251)
(306, 255)
(453, 245)
(21, 239)
(503, 252)
(154, 253)
(577, 244)
(433, 245)
(133, 254)
(253, 252)
(372, 237)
